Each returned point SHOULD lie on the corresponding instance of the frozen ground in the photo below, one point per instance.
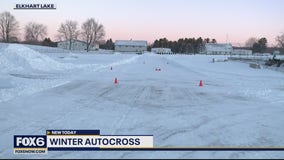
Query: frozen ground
(237, 106)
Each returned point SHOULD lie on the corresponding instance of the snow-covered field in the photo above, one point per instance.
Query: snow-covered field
(237, 106)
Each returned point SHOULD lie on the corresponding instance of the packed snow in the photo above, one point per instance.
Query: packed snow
(236, 106)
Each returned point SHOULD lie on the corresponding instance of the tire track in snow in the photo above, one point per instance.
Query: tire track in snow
(132, 106)
(118, 63)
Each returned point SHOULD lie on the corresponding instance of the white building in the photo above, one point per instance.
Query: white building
(75, 45)
(130, 46)
(218, 48)
(242, 52)
(162, 50)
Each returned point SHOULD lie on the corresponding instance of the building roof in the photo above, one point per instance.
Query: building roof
(130, 43)
(221, 45)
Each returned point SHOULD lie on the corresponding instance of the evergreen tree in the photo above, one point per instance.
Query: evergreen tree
(48, 42)
(260, 46)
(182, 45)
(213, 41)
(108, 45)
(263, 44)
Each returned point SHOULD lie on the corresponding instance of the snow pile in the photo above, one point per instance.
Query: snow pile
(3, 46)
(20, 58)
(121, 62)
(5, 82)
(11, 88)
(25, 71)
(45, 49)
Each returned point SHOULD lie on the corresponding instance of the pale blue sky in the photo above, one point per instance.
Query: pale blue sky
(153, 19)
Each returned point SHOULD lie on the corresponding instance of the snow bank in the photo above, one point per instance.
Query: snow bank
(12, 88)
(17, 58)
(25, 71)
(121, 62)
(46, 49)
(5, 82)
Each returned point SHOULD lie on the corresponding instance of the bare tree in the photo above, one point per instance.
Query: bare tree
(250, 42)
(280, 40)
(35, 32)
(68, 31)
(92, 32)
(8, 27)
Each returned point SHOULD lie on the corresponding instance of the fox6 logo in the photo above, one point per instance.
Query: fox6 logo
(29, 141)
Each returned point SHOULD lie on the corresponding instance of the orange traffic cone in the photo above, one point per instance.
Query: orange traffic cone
(115, 81)
(200, 83)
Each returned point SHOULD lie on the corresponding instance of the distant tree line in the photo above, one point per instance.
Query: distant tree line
(260, 45)
(183, 45)
(34, 33)
(257, 45)
(92, 32)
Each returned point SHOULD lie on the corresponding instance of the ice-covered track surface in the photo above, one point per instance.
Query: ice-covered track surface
(237, 105)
